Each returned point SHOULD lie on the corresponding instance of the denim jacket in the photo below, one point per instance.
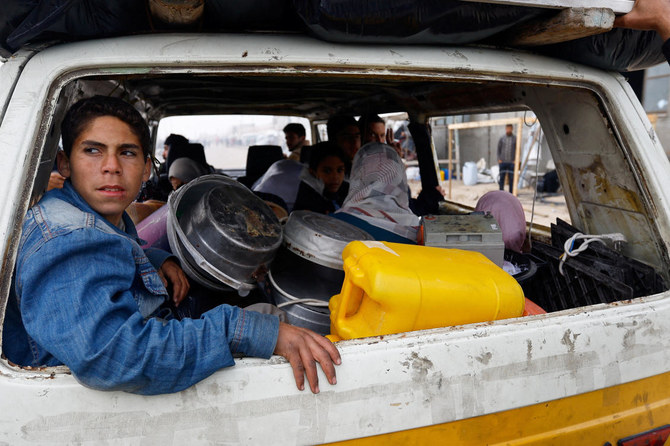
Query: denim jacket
(85, 296)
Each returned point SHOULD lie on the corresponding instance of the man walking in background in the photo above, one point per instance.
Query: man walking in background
(506, 152)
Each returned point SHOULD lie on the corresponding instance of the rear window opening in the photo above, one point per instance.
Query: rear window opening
(226, 138)
(474, 164)
(577, 142)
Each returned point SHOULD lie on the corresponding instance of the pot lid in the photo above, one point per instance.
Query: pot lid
(320, 238)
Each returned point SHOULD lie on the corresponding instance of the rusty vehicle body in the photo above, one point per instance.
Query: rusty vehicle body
(589, 374)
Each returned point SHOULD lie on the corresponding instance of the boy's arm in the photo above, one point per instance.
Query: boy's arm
(157, 256)
(89, 319)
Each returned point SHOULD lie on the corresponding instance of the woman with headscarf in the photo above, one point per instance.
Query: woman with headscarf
(184, 170)
(153, 228)
(378, 201)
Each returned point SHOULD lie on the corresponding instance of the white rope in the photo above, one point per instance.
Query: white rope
(310, 302)
(537, 164)
(568, 250)
(295, 300)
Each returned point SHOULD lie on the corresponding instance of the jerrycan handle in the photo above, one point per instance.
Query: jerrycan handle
(352, 295)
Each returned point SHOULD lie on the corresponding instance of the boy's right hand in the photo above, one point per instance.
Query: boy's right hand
(303, 348)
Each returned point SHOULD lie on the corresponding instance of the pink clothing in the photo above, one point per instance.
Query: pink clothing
(508, 212)
(153, 230)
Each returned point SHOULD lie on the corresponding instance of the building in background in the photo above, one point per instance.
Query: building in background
(655, 97)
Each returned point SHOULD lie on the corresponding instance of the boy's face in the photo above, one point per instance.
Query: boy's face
(331, 172)
(106, 166)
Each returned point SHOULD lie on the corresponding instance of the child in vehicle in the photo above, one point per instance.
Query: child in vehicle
(323, 188)
(184, 170)
(87, 296)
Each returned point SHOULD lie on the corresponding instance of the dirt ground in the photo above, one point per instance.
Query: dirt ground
(548, 207)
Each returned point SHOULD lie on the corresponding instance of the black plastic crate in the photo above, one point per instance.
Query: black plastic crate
(581, 285)
(641, 277)
(600, 274)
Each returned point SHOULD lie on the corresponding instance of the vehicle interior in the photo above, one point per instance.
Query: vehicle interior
(592, 163)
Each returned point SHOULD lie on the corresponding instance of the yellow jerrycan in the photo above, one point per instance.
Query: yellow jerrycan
(393, 288)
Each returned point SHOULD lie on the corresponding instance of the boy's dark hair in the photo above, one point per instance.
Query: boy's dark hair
(322, 151)
(296, 128)
(365, 120)
(337, 123)
(85, 110)
(174, 139)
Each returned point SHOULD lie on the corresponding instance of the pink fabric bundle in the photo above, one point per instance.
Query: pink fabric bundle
(508, 212)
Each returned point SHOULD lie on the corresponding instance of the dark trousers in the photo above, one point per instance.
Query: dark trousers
(506, 169)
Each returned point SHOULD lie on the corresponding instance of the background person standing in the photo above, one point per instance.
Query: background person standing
(506, 151)
(294, 134)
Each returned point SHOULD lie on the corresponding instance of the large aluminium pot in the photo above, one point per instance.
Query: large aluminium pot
(224, 235)
(308, 269)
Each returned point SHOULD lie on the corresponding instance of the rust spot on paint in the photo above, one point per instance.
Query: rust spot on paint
(594, 179)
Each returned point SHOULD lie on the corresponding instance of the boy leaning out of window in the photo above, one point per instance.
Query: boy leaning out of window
(87, 296)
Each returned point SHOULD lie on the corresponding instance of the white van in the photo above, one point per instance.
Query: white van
(587, 375)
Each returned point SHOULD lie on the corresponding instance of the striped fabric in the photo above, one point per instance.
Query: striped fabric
(378, 191)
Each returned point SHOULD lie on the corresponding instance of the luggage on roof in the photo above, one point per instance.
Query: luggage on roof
(444, 22)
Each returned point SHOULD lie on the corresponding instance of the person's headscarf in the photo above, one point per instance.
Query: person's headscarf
(508, 212)
(378, 191)
(282, 179)
(186, 169)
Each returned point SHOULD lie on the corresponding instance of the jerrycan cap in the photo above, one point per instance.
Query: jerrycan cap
(320, 238)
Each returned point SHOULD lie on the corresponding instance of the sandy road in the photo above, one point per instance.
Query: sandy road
(548, 207)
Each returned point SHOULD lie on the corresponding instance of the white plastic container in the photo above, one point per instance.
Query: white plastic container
(470, 173)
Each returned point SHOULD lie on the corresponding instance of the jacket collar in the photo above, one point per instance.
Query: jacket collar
(70, 195)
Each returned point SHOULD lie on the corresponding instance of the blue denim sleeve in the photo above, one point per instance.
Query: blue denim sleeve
(83, 311)
(157, 256)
